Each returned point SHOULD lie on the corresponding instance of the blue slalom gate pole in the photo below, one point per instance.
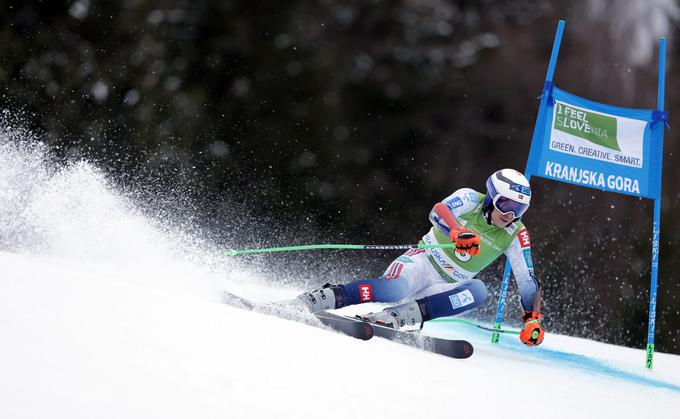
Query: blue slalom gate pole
(555, 51)
(531, 165)
(656, 227)
(495, 336)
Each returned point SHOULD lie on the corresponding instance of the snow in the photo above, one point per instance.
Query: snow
(88, 339)
(107, 313)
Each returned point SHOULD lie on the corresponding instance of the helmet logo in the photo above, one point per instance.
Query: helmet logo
(520, 189)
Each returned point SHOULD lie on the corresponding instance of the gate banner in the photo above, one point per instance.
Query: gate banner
(599, 146)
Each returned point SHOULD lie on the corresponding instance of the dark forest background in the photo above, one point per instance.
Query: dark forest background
(291, 122)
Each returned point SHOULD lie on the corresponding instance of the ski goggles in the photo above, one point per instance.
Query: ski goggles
(506, 205)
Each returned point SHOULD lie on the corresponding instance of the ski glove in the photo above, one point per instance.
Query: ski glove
(467, 241)
(532, 334)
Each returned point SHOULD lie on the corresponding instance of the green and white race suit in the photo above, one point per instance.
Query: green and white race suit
(466, 206)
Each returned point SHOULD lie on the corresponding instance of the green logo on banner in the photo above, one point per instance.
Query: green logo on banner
(594, 127)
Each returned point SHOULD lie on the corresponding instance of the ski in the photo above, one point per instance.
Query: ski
(459, 349)
(452, 348)
(357, 328)
(349, 326)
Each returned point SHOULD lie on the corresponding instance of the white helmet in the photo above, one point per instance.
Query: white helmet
(508, 191)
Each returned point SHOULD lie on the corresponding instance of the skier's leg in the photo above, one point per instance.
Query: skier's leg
(404, 277)
(438, 300)
(442, 300)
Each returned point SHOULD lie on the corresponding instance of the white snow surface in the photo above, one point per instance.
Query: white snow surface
(101, 340)
(108, 313)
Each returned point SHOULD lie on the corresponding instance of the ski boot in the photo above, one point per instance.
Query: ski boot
(329, 297)
(408, 314)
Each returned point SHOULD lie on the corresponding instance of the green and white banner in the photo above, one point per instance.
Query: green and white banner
(597, 136)
(599, 146)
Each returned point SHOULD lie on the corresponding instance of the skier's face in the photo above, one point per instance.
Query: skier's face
(501, 220)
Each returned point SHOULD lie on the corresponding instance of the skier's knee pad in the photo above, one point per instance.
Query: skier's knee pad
(466, 296)
(477, 289)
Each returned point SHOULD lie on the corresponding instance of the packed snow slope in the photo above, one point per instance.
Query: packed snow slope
(109, 313)
(94, 339)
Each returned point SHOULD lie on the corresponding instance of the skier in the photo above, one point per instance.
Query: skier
(439, 282)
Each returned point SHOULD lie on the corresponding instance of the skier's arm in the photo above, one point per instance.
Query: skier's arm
(443, 217)
(519, 254)
(443, 214)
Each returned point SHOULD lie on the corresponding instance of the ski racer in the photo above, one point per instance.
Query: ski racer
(439, 282)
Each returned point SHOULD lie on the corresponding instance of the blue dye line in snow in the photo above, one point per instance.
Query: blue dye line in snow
(567, 359)
(585, 363)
